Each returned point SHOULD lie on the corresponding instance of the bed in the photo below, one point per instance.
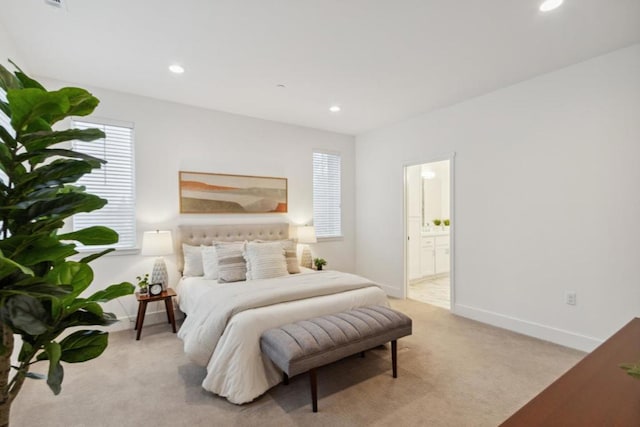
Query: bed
(224, 321)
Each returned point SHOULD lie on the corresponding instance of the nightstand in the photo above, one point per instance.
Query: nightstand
(143, 300)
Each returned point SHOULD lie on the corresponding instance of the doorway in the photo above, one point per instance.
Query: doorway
(429, 225)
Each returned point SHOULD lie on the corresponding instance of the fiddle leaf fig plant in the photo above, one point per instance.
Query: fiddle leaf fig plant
(41, 288)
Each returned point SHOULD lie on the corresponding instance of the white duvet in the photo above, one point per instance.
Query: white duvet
(224, 322)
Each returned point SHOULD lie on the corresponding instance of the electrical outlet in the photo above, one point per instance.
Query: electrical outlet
(570, 297)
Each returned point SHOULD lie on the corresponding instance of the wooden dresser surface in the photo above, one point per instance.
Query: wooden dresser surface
(595, 392)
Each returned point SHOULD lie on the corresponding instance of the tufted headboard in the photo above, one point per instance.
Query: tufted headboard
(206, 234)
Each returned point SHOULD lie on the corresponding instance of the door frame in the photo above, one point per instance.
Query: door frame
(452, 228)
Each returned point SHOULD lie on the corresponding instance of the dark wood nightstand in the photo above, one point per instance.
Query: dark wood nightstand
(143, 300)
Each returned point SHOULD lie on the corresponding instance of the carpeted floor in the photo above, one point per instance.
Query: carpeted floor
(452, 372)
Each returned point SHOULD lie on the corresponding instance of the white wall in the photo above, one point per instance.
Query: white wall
(546, 200)
(9, 51)
(171, 137)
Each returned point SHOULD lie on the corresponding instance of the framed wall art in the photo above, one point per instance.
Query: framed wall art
(215, 193)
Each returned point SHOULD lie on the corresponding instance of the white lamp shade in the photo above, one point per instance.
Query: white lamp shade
(307, 234)
(157, 243)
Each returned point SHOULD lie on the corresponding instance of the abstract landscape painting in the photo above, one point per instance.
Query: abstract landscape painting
(226, 194)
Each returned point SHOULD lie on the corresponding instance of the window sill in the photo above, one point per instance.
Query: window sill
(117, 252)
(330, 239)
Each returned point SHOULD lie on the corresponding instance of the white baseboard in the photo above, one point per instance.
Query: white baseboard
(151, 318)
(525, 327)
(391, 291)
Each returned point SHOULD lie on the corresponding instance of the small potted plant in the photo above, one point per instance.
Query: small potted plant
(446, 222)
(319, 262)
(143, 284)
(437, 222)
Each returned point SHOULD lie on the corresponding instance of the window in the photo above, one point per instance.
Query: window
(5, 123)
(326, 194)
(114, 181)
(4, 119)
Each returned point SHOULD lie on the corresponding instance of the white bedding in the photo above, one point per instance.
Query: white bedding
(230, 347)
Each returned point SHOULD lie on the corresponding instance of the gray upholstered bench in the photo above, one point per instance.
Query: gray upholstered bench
(309, 344)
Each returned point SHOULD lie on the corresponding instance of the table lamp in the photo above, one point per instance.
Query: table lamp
(158, 243)
(306, 234)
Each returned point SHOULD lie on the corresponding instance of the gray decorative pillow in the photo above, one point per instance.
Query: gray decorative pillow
(231, 264)
(291, 254)
(265, 260)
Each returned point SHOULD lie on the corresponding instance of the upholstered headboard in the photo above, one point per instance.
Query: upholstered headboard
(206, 234)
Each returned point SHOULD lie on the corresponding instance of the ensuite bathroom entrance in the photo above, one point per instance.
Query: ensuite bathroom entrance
(428, 228)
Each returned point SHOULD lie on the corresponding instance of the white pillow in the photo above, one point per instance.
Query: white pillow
(210, 262)
(291, 253)
(265, 260)
(192, 260)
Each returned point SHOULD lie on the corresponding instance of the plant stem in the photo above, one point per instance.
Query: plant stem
(5, 369)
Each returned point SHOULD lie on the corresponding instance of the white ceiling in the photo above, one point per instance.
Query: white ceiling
(382, 61)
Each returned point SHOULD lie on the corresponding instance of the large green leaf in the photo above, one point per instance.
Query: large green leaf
(45, 249)
(96, 235)
(56, 372)
(59, 171)
(25, 314)
(85, 304)
(40, 140)
(62, 206)
(81, 101)
(9, 266)
(4, 107)
(36, 287)
(83, 345)
(35, 105)
(7, 138)
(86, 318)
(27, 81)
(73, 273)
(97, 255)
(113, 291)
(7, 80)
(39, 156)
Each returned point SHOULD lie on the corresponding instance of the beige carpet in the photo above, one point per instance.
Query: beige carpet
(452, 372)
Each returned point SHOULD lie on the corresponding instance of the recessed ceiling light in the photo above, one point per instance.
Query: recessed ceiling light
(335, 108)
(175, 68)
(549, 5)
(281, 86)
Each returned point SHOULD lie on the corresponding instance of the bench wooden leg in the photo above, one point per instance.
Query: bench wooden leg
(394, 358)
(314, 389)
(285, 378)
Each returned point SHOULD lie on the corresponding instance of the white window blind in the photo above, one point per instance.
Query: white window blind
(5, 123)
(4, 119)
(114, 181)
(327, 210)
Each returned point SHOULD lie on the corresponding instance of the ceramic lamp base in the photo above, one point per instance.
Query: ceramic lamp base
(160, 274)
(306, 260)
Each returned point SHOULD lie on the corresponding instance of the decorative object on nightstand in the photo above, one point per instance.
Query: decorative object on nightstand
(143, 300)
(306, 234)
(143, 284)
(158, 243)
(155, 289)
(319, 262)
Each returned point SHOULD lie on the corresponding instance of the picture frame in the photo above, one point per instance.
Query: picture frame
(216, 193)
